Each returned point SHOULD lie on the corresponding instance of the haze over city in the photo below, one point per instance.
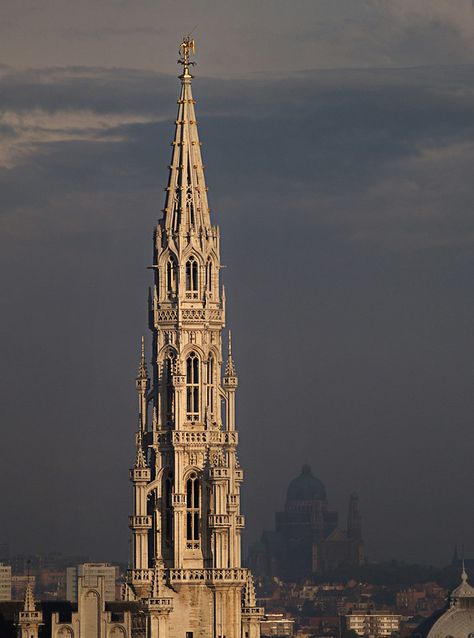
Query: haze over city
(338, 140)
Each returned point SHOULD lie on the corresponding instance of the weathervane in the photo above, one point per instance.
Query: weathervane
(186, 47)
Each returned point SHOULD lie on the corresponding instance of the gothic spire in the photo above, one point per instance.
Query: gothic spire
(140, 461)
(29, 602)
(249, 597)
(230, 365)
(142, 371)
(186, 207)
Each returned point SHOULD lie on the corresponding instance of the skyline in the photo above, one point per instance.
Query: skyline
(343, 198)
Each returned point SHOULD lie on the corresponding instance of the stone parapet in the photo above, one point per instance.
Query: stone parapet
(209, 576)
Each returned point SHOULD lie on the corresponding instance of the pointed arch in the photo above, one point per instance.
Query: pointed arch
(193, 365)
(171, 275)
(169, 367)
(211, 383)
(167, 509)
(209, 276)
(192, 277)
(151, 506)
(193, 508)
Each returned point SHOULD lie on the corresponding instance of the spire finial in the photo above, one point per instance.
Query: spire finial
(463, 573)
(186, 47)
(29, 602)
(142, 371)
(140, 461)
(249, 592)
(230, 367)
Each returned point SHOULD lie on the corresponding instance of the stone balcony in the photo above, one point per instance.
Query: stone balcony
(254, 612)
(140, 475)
(139, 522)
(219, 520)
(160, 604)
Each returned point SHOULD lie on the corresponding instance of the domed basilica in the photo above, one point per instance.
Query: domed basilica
(307, 538)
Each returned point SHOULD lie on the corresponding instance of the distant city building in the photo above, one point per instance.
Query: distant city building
(307, 539)
(107, 571)
(373, 623)
(454, 621)
(421, 599)
(19, 585)
(92, 618)
(5, 582)
(52, 585)
(277, 625)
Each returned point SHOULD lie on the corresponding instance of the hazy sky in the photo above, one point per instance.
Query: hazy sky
(338, 137)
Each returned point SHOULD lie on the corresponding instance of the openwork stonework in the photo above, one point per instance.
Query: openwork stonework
(186, 523)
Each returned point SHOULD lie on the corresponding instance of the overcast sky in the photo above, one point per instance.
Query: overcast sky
(338, 137)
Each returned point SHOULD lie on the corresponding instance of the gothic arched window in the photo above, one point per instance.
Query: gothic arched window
(170, 276)
(210, 383)
(192, 508)
(209, 276)
(192, 277)
(168, 508)
(192, 387)
(169, 365)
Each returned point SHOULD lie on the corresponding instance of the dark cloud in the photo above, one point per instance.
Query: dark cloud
(345, 205)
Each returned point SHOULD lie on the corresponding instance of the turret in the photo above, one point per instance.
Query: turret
(251, 614)
(230, 383)
(140, 522)
(30, 619)
(142, 384)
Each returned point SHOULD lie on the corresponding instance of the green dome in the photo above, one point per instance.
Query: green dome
(306, 487)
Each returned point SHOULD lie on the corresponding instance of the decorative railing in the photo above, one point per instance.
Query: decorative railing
(219, 520)
(189, 314)
(253, 611)
(219, 473)
(203, 437)
(212, 575)
(137, 522)
(232, 501)
(140, 575)
(164, 604)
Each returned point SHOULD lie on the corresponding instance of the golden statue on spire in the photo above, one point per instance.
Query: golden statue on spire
(186, 48)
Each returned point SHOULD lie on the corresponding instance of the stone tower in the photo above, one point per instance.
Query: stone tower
(186, 524)
(30, 619)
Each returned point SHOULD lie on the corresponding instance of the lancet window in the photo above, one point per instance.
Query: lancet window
(151, 511)
(192, 387)
(210, 384)
(169, 366)
(209, 276)
(168, 509)
(192, 278)
(170, 276)
(192, 508)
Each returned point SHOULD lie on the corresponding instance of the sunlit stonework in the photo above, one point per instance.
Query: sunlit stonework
(186, 523)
